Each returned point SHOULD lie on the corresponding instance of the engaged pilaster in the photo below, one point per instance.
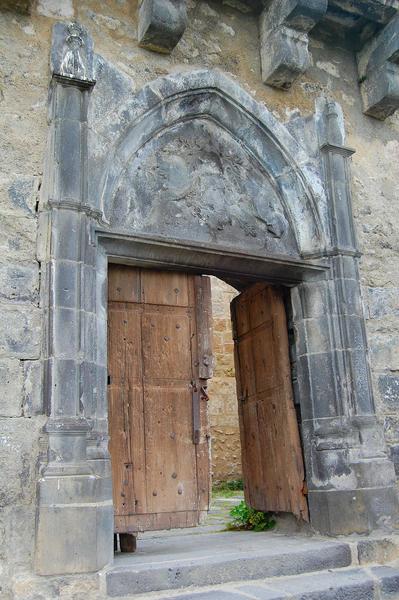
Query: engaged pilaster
(351, 481)
(73, 500)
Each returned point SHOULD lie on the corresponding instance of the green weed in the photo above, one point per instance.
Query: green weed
(245, 517)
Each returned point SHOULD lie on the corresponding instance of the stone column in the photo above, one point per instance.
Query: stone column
(350, 479)
(75, 512)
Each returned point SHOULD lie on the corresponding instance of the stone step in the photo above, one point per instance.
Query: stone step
(375, 583)
(168, 563)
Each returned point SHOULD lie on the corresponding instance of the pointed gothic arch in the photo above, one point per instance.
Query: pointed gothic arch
(167, 105)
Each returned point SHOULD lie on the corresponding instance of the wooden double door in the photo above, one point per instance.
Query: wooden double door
(160, 357)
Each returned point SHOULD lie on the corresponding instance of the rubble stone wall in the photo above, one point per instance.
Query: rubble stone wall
(225, 436)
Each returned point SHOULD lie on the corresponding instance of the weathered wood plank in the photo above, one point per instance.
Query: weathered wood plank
(271, 449)
(160, 478)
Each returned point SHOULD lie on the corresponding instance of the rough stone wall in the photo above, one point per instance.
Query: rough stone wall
(226, 451)
(217, 36)
(23, 97)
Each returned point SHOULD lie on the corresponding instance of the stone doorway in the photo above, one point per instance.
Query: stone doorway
(192, 174)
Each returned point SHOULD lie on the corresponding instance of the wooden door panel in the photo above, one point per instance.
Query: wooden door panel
(120, 450)
(265, 374)
(124, 345)
(244, 358)
(252, 468)
(271, 450)
(156, 521)
(167, 344)
(166, 288)
(137, 449)
(258, 306)
(170, 452)
(123, 284)
(158, 345)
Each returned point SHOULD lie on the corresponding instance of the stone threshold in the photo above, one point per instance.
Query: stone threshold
(374, 583)
(175, 562)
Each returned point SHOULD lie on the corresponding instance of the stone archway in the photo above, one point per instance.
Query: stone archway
(192, 173)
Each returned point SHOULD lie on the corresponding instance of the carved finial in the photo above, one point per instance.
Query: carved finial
(334, 125)
(72, 52)
(330, 122)
(72, 64)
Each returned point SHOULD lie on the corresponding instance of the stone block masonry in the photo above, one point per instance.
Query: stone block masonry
(223, 410)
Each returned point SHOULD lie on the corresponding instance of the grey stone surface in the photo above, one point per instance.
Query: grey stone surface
(198, 175)
(379, 72)
(71, 498)
(19, 282)
(230, 108)
(11, 387)
(18, 195)
(261, 592)
(18, 454)
(161, 24)
(353, 584)
(20, 331)
(214, 595)
(388, 387)
(381, 550)
(18, 240)
(32, 392)
(235, 556)
(313, 584)
(382, 302)
(389, 581)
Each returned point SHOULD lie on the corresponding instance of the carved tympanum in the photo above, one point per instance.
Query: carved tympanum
(195, 182)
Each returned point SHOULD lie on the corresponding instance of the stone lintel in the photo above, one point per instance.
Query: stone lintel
(378, 67)
(284, 26)
(161, 24)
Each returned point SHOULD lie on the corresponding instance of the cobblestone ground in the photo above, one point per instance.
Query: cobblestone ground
(220, 509)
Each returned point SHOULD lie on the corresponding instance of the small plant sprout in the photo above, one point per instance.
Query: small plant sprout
(248, 518)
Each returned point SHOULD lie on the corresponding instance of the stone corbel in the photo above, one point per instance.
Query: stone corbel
(161, 24)
(284, 28)
(378, 66)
